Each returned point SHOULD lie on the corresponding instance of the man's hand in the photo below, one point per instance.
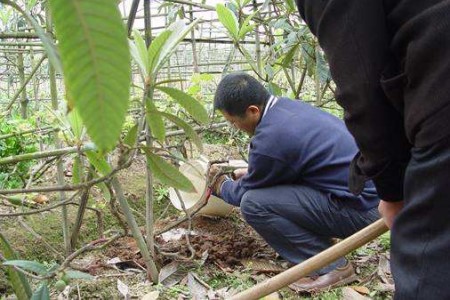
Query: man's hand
(238, 173)
(389, 210)
(218, 184)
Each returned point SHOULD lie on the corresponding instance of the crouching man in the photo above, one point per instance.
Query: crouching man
(295, 193)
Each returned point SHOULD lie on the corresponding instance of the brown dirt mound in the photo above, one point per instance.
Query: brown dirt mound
(226, 241)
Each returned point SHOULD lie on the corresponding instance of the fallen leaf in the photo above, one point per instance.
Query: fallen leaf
(361, 289)
(170, 274)
(196, 289)
(384, 270)
(151, 296)
(385, 287)
(123, 289)
(351, 294)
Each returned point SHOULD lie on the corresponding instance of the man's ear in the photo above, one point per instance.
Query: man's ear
(253, 110)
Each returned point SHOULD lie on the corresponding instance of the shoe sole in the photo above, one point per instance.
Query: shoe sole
(343, 282)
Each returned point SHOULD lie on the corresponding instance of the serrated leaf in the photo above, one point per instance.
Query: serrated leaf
(322, 69)
(99, 162)
(246, 27)
(141, 49)
(190, 132)
(18, 281)
(178, 30)
(154, 51)
(291, 5)
(138, 59)
(41, 293)
(73, 274)
(76, 123)
(249, 58)
(27, 265)
(155, 121)
(228, 19)
(193, 107)
(167, 173)
(289, 56)
(131, 137)
(96, 64)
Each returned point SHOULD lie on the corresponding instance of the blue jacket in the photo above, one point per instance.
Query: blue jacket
(296, 143)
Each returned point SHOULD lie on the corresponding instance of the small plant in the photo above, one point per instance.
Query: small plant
(13, 176)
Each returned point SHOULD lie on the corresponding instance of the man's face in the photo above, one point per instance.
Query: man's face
(246, 123)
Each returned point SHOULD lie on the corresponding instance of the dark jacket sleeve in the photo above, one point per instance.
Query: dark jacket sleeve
(355, 39)
(263, 171)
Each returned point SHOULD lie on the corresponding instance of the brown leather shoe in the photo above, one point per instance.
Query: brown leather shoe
(335, 278)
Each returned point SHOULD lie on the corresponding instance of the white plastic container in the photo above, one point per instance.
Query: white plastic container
(195, 171)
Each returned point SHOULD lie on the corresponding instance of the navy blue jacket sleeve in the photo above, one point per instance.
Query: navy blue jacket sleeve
(263, 171)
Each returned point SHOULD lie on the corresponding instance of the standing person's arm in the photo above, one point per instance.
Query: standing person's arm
(355, 39)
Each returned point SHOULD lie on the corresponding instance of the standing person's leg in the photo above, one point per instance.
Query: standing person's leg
(421, 232)
(298, 222)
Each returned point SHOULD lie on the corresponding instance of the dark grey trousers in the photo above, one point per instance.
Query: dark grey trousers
(421, 233)
(299, 222)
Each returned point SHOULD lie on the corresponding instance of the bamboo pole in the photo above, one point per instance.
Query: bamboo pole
(132, 16)
(257, 42)
(16, 95)
(193, 43)
(152, 271)
(314, 263)
(45, 129)
(23, 94)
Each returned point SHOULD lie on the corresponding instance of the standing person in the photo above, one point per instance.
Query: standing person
(295, 193)
(391, 63)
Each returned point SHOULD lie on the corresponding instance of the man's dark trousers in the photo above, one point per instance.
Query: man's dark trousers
(421, 233)
(299, 222)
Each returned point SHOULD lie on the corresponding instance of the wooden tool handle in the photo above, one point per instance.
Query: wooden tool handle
(314, 263)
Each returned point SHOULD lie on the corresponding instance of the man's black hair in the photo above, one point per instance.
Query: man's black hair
(237, 91)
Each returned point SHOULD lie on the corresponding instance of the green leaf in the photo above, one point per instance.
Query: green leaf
(228, 19)
(141, 48)
(275, 89)
(75, 123)
(77, 170)
(154, 51)
(249, 58)
(138, 59)
(246, 27)
(178, 30)
(99, 162)
(155, 121)
(96, 64)
(190, 132)
(131, 137)
(193, 107)
(105, 191)
(289, 56)
(41, 293)
(73, 274)
(322, 70)
(167, 173)
(27, 265)
(291, 5)
(18, 281)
